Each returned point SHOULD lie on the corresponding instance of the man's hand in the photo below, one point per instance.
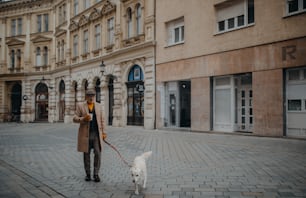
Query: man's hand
(104, 136)
(87, 118)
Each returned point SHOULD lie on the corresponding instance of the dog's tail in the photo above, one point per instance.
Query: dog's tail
(146, 155)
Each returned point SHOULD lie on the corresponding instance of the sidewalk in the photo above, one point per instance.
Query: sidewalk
(40, 160)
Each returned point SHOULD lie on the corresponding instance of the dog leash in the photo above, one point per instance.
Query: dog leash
(115, 149)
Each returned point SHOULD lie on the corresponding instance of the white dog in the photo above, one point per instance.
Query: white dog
(139, 170)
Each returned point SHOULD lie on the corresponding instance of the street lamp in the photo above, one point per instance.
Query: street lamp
(102, 67)
(43, 80)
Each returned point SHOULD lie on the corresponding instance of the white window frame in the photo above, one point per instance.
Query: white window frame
(85, 42)
(38, 57)
(75, 45)
(236, 26)
(172, 26)
(129, 17)
(39, 23)
(110, 31)
(13, 27)
(300, 8)
(97, 36)
(19, 26)
(138, 19)
(75, 7)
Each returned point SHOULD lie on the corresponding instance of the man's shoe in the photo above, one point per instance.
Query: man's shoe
(97, 178)
(87, 178)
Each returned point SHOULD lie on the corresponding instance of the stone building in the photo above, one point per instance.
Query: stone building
(235, 65)
(51, 51)
(213, 65)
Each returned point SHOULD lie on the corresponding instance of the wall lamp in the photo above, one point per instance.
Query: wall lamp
(43, 80)
(102, 70)
(102, 67)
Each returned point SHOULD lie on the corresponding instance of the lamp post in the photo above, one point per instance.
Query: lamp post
(102, 67)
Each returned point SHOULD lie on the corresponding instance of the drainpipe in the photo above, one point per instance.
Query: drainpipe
(154, 58)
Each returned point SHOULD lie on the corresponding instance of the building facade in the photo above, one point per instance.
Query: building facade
(214, 65)
(51, 51)
(235, 65)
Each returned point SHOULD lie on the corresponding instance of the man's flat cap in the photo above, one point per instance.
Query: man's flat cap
(90, 92)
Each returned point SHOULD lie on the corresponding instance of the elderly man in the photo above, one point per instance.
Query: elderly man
(91, 132)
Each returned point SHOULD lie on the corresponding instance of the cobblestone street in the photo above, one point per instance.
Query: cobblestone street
(40, 160)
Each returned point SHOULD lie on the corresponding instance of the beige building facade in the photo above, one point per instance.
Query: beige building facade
(52, 51)
(213, 65)
(235, 65)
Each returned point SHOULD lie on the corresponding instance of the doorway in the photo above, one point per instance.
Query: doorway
(16, 102)
(244, 103)
(178, 101)
(135, 100)
(61, 101)
(41, 102)
(111, 101)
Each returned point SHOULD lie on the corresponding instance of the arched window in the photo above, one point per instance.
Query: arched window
(63, 50)
(135, 74)
(45, 55)
(18, 58)
(38, 56)
(12, 59)
(138, 19)
(135, 99)
(58, 51)
(129, 22)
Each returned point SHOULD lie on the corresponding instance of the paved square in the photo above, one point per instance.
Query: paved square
(40, 160)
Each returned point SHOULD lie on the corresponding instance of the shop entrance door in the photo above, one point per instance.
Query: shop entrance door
(245, 108)
(41, 107)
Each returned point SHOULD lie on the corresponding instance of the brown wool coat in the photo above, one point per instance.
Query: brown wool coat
(83, 135)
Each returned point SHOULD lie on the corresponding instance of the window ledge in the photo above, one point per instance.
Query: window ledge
(234, 29)
(175, 44)
(294, 13)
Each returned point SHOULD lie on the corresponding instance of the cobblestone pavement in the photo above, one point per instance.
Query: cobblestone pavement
(40, 160)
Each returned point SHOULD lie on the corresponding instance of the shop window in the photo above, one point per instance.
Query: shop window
(294, 105)
(294, 75)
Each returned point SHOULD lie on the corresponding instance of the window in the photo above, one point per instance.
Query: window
(18, 58)
(233, 15)
(75, 7)
(12, 59)
(110, 31)
(86, 4)
(58, 51)
(46, 22)
(129, 22)
(38, 57)
(97, 37)
(63, 50)
(294, 105)
(19, 21)
(175, 31)
(75, 45)
(138, 19)
(38, 23)
(294, 75)
(85, 42)
(45, 56)
(13, 27)
(296, 6)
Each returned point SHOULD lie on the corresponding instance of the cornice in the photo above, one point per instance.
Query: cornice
(14, 41)
(39, 39)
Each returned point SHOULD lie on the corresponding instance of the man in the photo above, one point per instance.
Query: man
(91, 132)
